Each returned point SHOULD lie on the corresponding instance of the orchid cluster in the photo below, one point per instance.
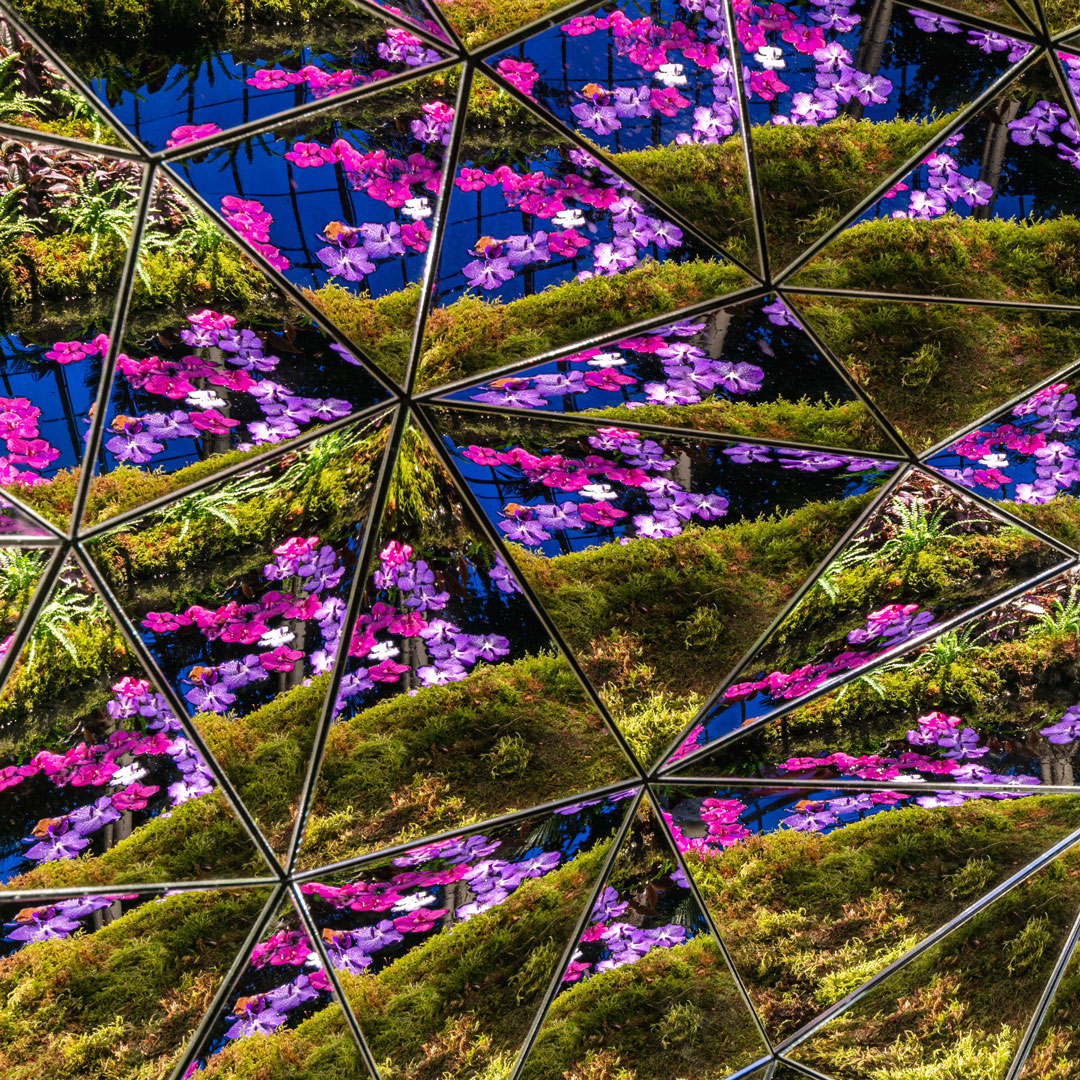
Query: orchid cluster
(438, 650)
(608, 944)
(19, 420)
(722, 828)
(398, 48)
(98, 766)
(887, 628)
(1035, 455)
(227, 357)
(311, 569)
(252, 221)
(688, 373)
(634, 465)
(56, 920)
(592, 200)
(381, 916)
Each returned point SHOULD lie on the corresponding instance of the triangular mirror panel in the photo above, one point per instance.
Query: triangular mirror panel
(341, 202)
(841, 97)
(199, 388)
(965, 1002)
(281, 1006)
(35, 94)
(980, 214)
(479, 24)
(455, 705)
(991, 703)
(419, 12)
(1023, 458)
(238, 591)
(1060, 15)
(810, 892)
(546, 246)
(926, 557)
(212, 74)
(657, 557)
(744, 369)
(476, 926)
(114, 984)
(666, 109)
(1005, 12)
(101, 783)
(933, 368)
(647, 986)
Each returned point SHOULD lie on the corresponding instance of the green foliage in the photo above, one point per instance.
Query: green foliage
(1024, 951)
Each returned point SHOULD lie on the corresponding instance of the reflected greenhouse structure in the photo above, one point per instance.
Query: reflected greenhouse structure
(540, 541)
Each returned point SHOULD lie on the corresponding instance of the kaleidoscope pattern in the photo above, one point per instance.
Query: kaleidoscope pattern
(539, 540)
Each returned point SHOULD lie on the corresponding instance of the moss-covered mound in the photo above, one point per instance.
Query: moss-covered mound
(122, 1002)
(809, 917)
(506, 738)
(673, 615)
(934, 368)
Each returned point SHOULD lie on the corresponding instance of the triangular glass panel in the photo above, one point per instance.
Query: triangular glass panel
(1023, 458)
(114, 984)
(926, 557)
(456, 706)
(198, 389)
(856, 93)
(238, 591)
(962, 1006)
(101, 784)
(478, 24)
(667, 115)
(850, 879)
(1060, 16)
(283, 1006)
(656, 557)
(206, 78)
(545, 246)
(35, 94)
(991, 703)
(396, 931)
(1054, 1052)
(339, 203)
(981, 216)
(647, 986)
(1000, 11)
(933, 368)
(744, 369)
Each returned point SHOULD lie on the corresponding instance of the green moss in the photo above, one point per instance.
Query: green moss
(1060, 518)
(848, 425)
(120, 1003)
(809, 916)
(933, 368)
(675, 1012)
(480, 21)
(411, 766)
(674, 615)
(810, 177)
(952, 256)
(957, 1012)
(461, 1002)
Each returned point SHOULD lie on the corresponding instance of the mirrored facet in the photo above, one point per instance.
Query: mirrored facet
(475, 926)
(966, 1000)
(931, 368)
(455, 705)
(747, 369)
(647, 986)
(238, 591)
(114, 984)
(546, 246)
(653, 85)
(1023, 458)
(341, 203)
(815, 890)
(656, 557)
(35, 94)
(923, 559)
(100, 782)
(999, 194)
(990, 703)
